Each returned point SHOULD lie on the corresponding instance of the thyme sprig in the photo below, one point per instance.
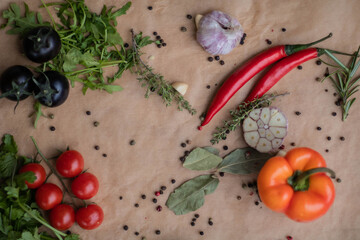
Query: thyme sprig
(155, 82)
(344, 81)
(238, 115)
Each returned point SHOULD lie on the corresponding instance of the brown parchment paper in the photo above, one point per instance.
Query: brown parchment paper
(130, 171)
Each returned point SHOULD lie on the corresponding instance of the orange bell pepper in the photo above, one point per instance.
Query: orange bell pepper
(297, 185)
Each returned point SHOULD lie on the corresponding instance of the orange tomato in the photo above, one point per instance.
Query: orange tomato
(317, 190)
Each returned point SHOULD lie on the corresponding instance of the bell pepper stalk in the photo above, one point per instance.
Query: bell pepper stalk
(297, 185)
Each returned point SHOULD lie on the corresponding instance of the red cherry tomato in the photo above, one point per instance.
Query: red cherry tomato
(62, 217)
(85, 186)
(70, 164)
(89, 217)
(39, 172)
(48, 196)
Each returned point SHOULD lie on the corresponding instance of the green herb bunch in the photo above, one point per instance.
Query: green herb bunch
(344, 81)
(238, 115)
(90, 44)
(20, 218)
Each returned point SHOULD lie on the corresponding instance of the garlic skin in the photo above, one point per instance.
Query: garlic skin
(218, 33)
(180, 87)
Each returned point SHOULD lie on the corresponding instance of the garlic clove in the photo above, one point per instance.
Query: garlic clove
(197, 20)
(180, 87)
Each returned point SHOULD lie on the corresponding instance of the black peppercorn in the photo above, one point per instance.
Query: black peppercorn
(299, 67)
(88, 113)
(338, 180)
(183, 29)
(183, 145)
(227, 131)
(182, 159)
(125, 227)
(318, 128)
(318, 62)
(158, 45)
(225, 147)
(192, 224)
(222, 62)
(186, 153)
(188, 141)
(221, 174)
(283, 29)
(217, 58)
(256, 203)
(292, 144)
(136, 205)
(126, 45)
(210, 223)
(188, 16)
(250, 185)
(268, 42)
(157, 232)
(104, 155)
(326, 150)
(210, 59)
(196, 215)
(161, 192)
(335, 94)
(208, 86)
(328, 138)
(333, 113)
(298, 113)
(121, 198)
(163, 44)
(173, 181)
(201, 233)
(158, 37)
(154, 200)
(326, 90)
(342, 138)
(132, 142)
(163, 188)
(52, 128)
(143, 196)
(194, 219)
(136, 233)
(150, 7)
(68, 232)
(238, 197)
(96, 147)
(155, 33)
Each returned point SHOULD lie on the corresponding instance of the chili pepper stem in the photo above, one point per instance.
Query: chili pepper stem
(290, 49)
(300, 180)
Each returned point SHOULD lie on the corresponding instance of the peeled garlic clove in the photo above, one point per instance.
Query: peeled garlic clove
(197, 20)
(270, 130)
(180, 87)
(218, 33)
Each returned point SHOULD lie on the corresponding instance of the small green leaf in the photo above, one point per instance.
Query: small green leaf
(39, 18)
(8, 144)
(8, 162)
(190, 195)
(112, 88)
(212, 150)
(12, 192)
(122, 10)
(201, 160)
(16, 9)
(72, 237)
(243, 161)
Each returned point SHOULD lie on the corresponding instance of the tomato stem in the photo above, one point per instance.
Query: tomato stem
(53, 170)
(300, 180)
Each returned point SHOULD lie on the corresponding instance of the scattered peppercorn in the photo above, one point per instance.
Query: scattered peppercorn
(338, 180)
(163, 188)
(194, 219)
(328, 138)
(52, 128)
(227, 131)
(150, 7)
(126, 45)
(222, 62)
(188, 16)
(298, 113)
(96, 123)
(155, 33)
(188, 141)
(318, 80)
(125, 227)
(335, 94)
(299, 67)
(154, 200)
(143, 196)
(326, 90)
(210, 59)
(68, 232)
(186, 153)
(163, 44)
(292, 144)
(158, 37)
(318, 62)
(342, 138)
(158, 208)
(183, 29)
(338, 102)
(192, 224)
(283, 29)
(136, 233)
(132, 142)
(104, 155)
(173, 181)
(208, 86)
(250, 185)
(152, 89)
(333, 113)
(326, 150)
(157, 232)
(161, 192)
(182, 159)
(238, 197)
(268, 42)
(318, 128)
(225, 147)
(183, 145)
(210, 222)
(158, 45)
(157, 193)
(136, 205)
(257, 203)
(242, 42)
(217, 58)
(121, 198)
(201, 233)
(221, 174)
(196, 215)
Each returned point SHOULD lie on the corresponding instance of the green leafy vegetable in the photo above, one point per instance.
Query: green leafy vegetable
(190, 195)
(20, 218)
(238, 115)
(201, 159)
(243, 161)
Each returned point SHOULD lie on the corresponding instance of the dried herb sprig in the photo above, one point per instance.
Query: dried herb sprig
(344, 81)
(155, 82)
(238, 115)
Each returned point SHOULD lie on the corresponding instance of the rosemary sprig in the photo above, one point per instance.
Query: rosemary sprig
(155, 82)
(344, 81)
(238, 115)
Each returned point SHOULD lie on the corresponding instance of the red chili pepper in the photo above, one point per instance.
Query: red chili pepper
(249, 70)
(280, 69)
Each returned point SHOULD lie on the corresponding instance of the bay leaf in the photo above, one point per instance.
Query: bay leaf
(190, 195)
(212, 150)
(201, 160)
(243, 161)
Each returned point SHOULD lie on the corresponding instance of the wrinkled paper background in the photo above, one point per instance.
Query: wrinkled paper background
(130, 171)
